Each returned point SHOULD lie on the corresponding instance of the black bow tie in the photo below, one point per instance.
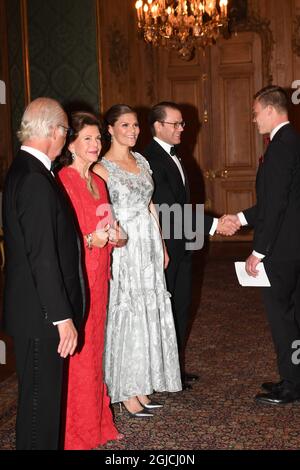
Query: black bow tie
(172, 151)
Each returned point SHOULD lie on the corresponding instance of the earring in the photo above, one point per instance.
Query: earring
(73, 155)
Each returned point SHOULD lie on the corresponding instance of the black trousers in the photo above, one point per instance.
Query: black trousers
(39, 371)
(179, 284)
(282, 303)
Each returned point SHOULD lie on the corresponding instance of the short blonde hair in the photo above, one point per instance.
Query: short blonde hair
(39, 118)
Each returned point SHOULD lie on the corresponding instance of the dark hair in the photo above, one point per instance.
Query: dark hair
(158, 113)
(273, 95)
(112, 115)
(78, 120)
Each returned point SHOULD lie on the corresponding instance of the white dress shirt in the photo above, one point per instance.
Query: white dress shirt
(167, 148)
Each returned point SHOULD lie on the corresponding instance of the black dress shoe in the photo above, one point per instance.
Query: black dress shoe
(190, 377)
(279, 396)
(271, 386)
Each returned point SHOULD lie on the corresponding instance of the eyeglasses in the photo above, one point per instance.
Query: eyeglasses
(69, 131)
(176, 125)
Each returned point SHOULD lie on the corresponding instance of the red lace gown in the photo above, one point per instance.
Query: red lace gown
(88, 419)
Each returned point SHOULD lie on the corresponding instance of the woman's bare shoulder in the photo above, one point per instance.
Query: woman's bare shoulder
(100, 170)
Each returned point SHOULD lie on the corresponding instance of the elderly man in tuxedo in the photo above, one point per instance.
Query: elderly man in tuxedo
(44, 293)
(276, 222)
(172, 188)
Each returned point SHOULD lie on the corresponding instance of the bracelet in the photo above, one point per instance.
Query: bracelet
(89, 241)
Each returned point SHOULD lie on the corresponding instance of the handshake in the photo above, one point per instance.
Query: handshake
(228, 224)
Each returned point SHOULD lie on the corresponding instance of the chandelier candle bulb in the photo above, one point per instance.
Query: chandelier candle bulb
(210, 8)
(147, 14)
(139, 6)
(223, 7)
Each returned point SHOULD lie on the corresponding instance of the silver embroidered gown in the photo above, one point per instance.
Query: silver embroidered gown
(140, 353)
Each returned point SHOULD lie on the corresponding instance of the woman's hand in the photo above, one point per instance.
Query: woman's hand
(117, 236)
(101, 236)
(166, 257)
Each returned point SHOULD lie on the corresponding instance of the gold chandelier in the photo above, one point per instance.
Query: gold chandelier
(181, 24)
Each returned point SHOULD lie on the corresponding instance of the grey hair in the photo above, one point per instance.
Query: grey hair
(39, 119)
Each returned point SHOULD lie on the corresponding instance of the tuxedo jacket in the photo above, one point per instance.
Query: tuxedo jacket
(169, 189)
(42, 259)
(276, 215)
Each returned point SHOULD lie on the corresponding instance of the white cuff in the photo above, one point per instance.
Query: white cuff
(258, 255)
(60, 321)
(242, 218)
(213, 227)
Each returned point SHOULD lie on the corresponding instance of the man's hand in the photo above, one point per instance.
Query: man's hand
(68, 338)
(228, 224)
(251, 264)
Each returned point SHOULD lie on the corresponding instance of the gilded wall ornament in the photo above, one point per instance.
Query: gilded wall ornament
(118, 51)
(296, 36)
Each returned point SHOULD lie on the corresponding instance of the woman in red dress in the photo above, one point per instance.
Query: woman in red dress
(88, 418)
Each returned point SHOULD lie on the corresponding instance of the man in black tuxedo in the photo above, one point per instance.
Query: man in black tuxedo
(171, 187)
(276, 222)
(44, 293)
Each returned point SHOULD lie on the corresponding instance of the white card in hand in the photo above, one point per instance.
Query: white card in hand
(261, 280)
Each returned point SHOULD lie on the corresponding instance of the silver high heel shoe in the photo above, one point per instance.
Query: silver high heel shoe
(138, 414)
(152, 405)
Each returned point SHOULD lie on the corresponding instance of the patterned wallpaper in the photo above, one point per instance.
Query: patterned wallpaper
(15, 66)
(62, 54)
(62, 51)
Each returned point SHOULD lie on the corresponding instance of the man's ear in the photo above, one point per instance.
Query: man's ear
(55, 133)
(157, 126)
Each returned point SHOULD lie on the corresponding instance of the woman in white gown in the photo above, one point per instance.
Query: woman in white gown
(140, 353)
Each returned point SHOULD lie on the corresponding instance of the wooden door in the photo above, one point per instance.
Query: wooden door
(236, 146)
(186, 83)
(220, 144)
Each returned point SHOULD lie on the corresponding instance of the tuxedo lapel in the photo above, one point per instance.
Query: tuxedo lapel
(186, 180)
(174, 176)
